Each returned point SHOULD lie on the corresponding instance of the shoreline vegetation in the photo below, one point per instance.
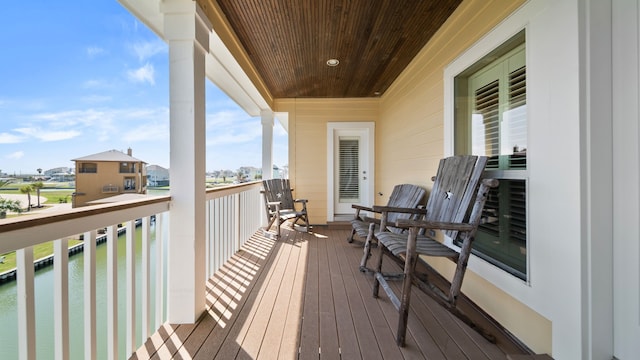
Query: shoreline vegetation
(54, 193)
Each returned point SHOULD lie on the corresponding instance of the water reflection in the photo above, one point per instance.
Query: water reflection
(44, 289)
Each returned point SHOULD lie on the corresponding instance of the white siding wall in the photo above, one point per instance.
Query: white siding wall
(560, 171)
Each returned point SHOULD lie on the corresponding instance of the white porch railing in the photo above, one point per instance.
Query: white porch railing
(233, 215)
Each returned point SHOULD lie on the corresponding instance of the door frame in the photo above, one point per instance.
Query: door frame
(368, 190)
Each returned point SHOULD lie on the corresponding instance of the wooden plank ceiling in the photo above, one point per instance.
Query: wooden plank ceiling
(290, 41)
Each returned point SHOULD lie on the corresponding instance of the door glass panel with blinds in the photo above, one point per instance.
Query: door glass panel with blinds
(348, 169)
(491, 120)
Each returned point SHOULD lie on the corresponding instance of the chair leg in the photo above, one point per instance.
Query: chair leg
(270, 224)
(350, 238)
(378, 269)
(405, 300)
(306, 223)
(456, 281)
(367, 248)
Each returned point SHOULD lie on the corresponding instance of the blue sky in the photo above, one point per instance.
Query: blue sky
(79, 77)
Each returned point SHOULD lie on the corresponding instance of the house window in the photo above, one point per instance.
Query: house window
(127, 168)
(129, 184)
(491, 120)
(88, 168)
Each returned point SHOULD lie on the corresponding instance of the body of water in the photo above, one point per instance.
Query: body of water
(44, 289)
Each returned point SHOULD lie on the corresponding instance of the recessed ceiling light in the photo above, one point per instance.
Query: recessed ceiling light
(333, 62)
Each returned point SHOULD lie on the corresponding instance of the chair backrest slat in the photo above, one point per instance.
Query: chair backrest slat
(405, 196)
(278, 190)
(454, 189)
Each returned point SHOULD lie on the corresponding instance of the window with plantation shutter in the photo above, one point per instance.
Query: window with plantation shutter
(516, 119)
(491, 120)
(348, 187)
(486, 128)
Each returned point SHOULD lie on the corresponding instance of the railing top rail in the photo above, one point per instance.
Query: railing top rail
(231, 189)
(23, 222)
(22, 231)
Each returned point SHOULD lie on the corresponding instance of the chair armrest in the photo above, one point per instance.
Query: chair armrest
(434, 225)
(361, 207)
(301, 200)
(275, 204)
(416, 210)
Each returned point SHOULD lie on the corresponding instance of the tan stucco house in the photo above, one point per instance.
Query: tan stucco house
(108, 174)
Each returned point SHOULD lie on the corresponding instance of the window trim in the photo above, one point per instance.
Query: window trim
(124, 184)
(483, 47)
(83, 170)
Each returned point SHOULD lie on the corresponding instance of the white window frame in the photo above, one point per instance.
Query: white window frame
(491, 41)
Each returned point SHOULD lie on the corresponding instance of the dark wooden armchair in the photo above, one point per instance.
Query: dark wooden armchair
(281, 206)
(454, 208)
(404, 196)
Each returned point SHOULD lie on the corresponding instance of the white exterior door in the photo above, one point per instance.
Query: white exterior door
(350, 167)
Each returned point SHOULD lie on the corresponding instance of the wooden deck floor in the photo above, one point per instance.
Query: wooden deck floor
(303, 298)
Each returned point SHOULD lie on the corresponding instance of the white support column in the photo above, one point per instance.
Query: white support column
(597, 186)
(187, 32)
(267, 144)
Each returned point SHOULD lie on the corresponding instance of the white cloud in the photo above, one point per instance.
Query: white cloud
(15, 155)
(96, 98)
(146, 50)
(128, 124)
(48, 135)
(6, 138)
(143, 74)
(146, 132)
(66, 119)
(232, 127)
(93, 84)
(93, 51)
(151, 125)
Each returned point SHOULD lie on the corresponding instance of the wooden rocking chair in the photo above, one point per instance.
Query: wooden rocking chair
(404, 196)
(454, 207)
(280, 204)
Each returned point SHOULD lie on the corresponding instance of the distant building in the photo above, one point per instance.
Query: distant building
(107, 174)
(280, 173)
(249, 173)
(60, 174)
(59, 170)
(157, 176)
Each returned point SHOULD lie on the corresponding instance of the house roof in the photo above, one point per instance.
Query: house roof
(110, 155)
(156, 168)
(288, 43)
